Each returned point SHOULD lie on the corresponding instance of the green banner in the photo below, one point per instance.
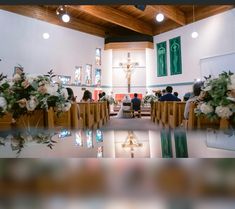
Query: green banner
(181, 147)
(166, 143)
(161, 59)
(175, 56)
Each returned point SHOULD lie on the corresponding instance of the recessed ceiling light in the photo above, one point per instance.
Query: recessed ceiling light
(194, 34)
(46, 35)
(160, 17)
(65, 18)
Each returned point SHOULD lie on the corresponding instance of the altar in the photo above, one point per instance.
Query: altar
(119, 97)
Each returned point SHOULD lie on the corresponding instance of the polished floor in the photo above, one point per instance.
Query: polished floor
(126, 141)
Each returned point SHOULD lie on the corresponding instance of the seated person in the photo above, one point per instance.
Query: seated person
(168, 96)
(196, 98)
(71, 96)
(125, 106)
(136, 102)
(176, 95)
(87, 96)
(187, 96)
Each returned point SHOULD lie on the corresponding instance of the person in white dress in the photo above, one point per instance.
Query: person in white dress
(126, 99)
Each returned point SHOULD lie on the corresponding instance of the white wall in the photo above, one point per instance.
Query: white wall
(216, 37)
(21, 43)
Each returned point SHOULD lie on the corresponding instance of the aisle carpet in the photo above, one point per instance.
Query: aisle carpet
(143, 123)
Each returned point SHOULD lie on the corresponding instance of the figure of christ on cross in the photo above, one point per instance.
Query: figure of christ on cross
(128, 69)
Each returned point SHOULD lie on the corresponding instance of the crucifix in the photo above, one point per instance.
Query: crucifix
(128, 68)
(131, 142)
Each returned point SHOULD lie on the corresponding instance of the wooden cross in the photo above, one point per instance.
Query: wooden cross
(128, 68)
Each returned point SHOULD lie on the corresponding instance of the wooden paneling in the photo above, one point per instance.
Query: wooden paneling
(120, 20)
(172, 13)
(40, 13)
(129, 45)
(116, 17)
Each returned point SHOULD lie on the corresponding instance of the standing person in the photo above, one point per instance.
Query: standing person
(168, 96)
(136, 102)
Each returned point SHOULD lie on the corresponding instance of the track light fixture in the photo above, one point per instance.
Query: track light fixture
(62, 12)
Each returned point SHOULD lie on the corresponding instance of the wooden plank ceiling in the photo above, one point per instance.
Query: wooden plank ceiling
(120, 20)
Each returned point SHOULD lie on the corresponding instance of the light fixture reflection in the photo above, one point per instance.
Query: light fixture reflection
(160, 17)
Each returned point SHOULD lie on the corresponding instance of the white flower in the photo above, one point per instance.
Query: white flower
(31, 104)
(52, 90)
(232, 85)
(207, 88)
(66, 107)
(3, 103)
(30, 78)
(64, 93)
(206, 109)
(223, 112)
(16, 77)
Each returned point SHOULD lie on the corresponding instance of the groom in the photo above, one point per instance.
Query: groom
(136, 102)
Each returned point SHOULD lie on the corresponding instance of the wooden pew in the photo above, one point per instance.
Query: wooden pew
(153, 111)
(164, 112)
(175, 113)
(158, 112)
(6, 122)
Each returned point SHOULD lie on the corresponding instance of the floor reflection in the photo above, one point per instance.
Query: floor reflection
(166, 143)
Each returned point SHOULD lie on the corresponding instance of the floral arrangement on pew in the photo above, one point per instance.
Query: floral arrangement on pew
(150, 98)
(24, 93)
(218, 97)
(108, 98)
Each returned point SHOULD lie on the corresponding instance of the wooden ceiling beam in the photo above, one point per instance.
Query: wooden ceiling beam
(40, 13)
(116, 17)
(171, 13)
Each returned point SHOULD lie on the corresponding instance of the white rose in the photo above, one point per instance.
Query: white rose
(31, 104)
(16, 77)
(30, 78)
(66, 107)
(206, 109)
(3, 103)
(223, 112)
(52, 90)
(64, 93)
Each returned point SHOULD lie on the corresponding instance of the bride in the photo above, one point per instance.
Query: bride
(126, 99)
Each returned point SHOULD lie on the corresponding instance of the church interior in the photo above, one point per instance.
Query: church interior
(117, 82)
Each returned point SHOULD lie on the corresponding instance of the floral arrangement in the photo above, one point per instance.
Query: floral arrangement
(150, 98)
(218, 97)
(108, 98)
(24, 93)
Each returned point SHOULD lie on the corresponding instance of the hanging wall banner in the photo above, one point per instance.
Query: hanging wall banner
(161, 59)
(175, 56)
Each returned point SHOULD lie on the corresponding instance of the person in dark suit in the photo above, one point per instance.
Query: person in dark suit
(169, 96)
(176, 95)
(136, 102)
